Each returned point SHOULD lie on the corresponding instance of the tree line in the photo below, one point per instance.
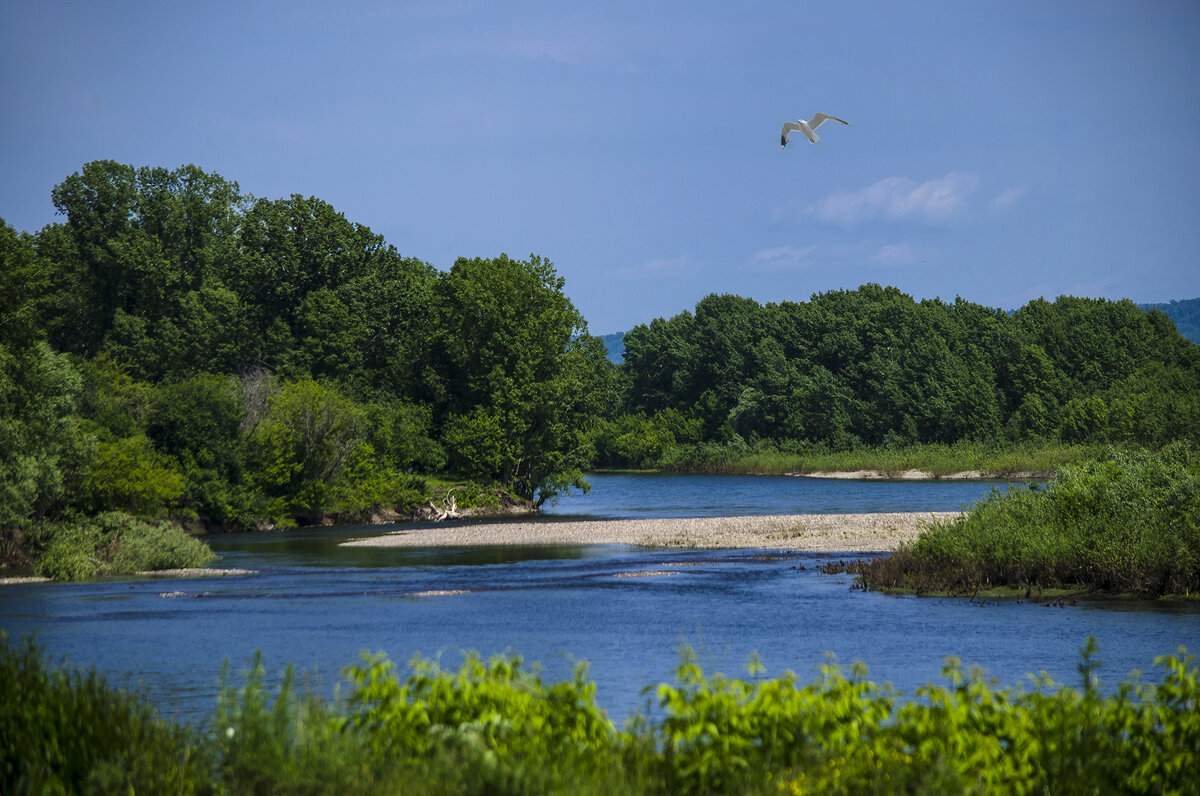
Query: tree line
(176, 348)
(873, 367)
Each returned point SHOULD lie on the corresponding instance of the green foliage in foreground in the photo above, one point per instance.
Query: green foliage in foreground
(64, 731)
(494, 727)
(1127, 522)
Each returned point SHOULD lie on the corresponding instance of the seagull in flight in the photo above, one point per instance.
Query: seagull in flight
(807, 127)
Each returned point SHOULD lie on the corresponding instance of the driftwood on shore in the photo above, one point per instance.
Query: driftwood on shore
(447, 511)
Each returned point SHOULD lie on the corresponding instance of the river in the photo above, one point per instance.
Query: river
(318, 606)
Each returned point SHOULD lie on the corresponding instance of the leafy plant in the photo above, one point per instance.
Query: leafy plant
(117, 543)
(494, 727)
(67, 731)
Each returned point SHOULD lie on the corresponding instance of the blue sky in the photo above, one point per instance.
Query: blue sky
(999, 151)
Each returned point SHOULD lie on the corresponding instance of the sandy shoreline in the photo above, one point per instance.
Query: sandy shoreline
(813, 533)
(824, 533)
(921, 475)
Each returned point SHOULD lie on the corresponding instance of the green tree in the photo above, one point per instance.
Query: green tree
(522, 378)
(401, 433)
(136, 240)
(301, 444)
(129, 475)
(820, 409)
(333, 300)
(24, 279)
(41, 442)
(659, 361)
(198, 421)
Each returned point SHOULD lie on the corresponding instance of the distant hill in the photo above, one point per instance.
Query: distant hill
(1186, 315)
(615, 343)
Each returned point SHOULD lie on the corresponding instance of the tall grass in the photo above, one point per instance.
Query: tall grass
(494, 727)
(115, 543)
(1127, 522)
(1040, 460)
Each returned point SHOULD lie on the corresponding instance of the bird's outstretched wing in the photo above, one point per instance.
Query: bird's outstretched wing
(787, 128)
(819, 118)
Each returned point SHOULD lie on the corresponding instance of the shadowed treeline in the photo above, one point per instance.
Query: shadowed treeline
(872, 368)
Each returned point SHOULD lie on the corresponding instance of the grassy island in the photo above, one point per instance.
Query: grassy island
(1126, 523)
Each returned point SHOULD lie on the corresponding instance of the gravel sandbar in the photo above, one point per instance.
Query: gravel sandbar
(817, 533)
(196, 572)
(922, 475)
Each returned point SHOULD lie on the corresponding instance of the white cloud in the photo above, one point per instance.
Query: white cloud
(1005, 200)
(794, 258)
(660, 266)
(899, 199)
(894, 254)
(782, 258)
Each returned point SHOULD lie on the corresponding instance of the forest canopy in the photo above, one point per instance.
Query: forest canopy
(176, 348)
(874, 367)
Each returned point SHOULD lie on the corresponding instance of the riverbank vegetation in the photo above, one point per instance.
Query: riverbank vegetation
(1125, 523)
(873, 369)
(494, 726)
(966, 459)
(175, 350)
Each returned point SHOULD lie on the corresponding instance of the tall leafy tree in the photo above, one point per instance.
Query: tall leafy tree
(872, 365)
(521, 376)
(42, 448)
(302, 441)
(332, 299)
(135, 241)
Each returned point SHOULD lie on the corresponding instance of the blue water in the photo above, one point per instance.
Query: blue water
(318, 606)
(668, 495)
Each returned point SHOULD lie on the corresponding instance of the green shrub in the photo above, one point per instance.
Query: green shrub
(65, 731)
(115, 543)
(1128, 522)
(493, 727)
(496, 713)
(128, 474)
(291, 743)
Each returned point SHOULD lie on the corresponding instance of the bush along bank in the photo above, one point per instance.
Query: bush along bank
(79, 546)
(495, 727)
(1127, 523)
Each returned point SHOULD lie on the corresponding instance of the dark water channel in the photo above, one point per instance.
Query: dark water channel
(318, 606)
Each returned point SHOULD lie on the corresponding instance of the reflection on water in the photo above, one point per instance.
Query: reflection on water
(625, 610)
(321, 547)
